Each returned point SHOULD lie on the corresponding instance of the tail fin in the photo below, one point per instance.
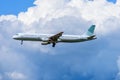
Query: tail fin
(90, 31)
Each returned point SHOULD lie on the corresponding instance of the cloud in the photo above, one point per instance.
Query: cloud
(98, 12)
(118, 3)
(39, 18)
(8, 17)
(14, 64)
(16, 76)
(94, 60)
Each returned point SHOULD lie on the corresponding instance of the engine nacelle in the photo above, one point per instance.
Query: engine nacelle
(45, 39)
(44, 43)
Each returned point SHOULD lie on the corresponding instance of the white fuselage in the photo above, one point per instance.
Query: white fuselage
(45, 37)
(55, 38)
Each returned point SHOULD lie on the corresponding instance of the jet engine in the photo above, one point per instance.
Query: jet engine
(45, 43)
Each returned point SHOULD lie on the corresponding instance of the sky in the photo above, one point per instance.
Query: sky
(14, 6)
(93, 60)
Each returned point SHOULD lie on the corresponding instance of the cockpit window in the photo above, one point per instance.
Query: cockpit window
(16, 34)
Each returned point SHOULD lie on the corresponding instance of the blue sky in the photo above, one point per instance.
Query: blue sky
(93, 60)
(114, 1)
(14, 6)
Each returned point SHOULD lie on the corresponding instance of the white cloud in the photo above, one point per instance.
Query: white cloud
(118, 2)
(8, 18)
(16, 76)
(97, 11)
(14, 64)
(46, 11)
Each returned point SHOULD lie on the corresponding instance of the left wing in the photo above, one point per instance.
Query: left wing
(53, 39)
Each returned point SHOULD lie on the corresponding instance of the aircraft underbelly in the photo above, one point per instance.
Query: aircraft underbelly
(72, 40)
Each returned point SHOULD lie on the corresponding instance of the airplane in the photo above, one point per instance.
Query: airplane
(53, 39)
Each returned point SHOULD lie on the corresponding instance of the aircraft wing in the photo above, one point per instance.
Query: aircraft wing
(53, 39)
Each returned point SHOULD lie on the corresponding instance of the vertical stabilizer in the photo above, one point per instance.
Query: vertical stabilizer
(90, 31)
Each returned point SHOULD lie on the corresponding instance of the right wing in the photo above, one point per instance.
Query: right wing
(53, 39)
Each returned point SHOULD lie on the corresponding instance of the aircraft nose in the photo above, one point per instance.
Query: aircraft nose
(15, 37)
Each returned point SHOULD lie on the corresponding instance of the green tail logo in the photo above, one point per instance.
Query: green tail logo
(90, 31)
